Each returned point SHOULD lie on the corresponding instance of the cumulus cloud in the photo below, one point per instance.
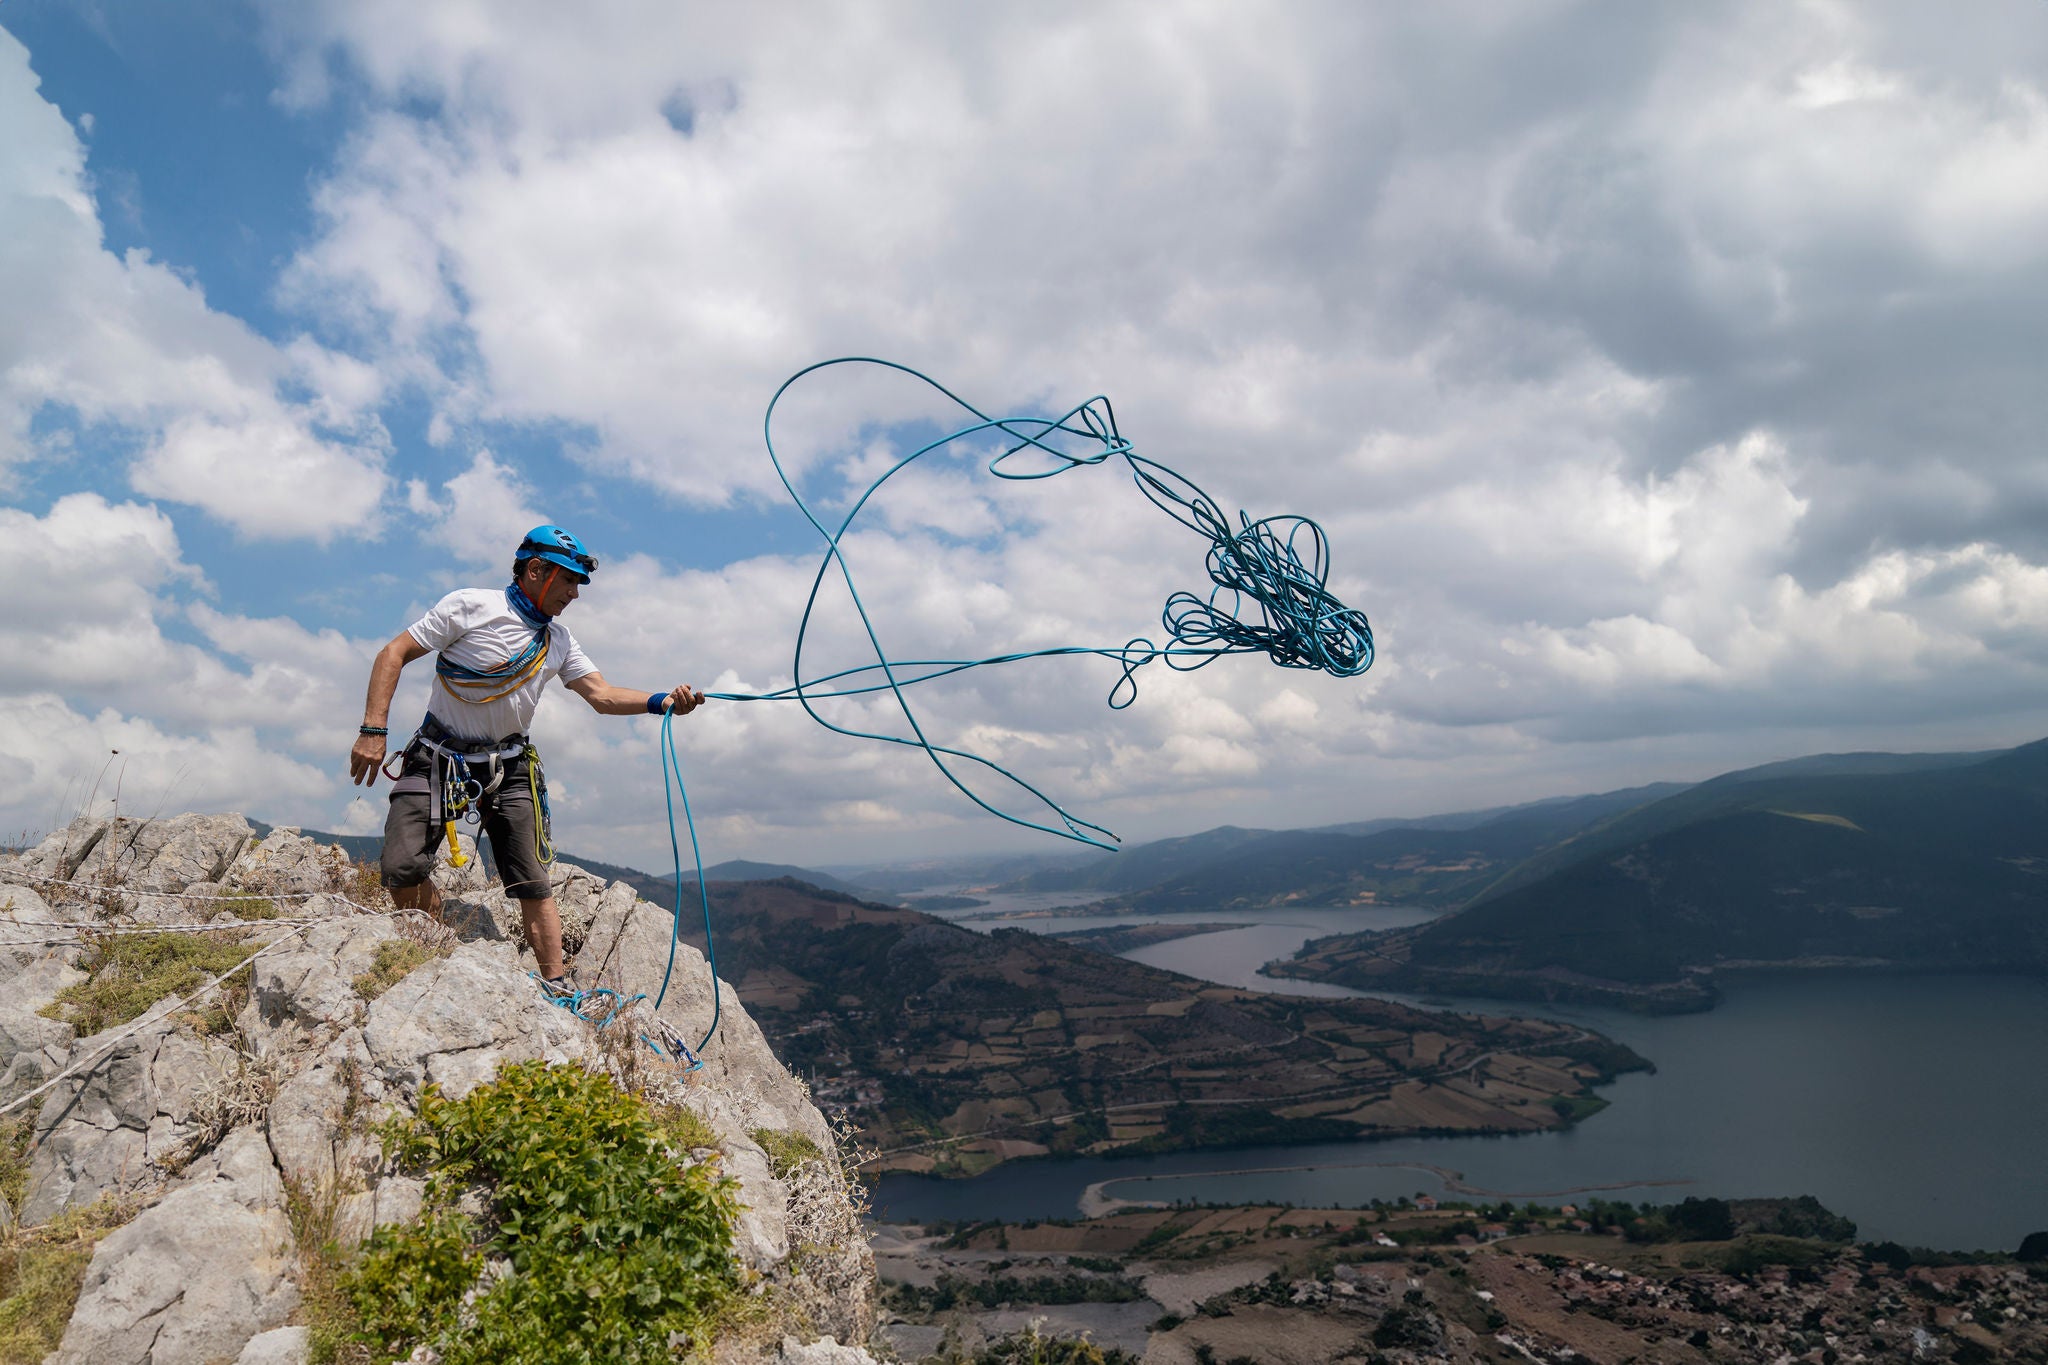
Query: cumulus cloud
(1666, 379)
(57, 762)
(479, 514)
(125, 342)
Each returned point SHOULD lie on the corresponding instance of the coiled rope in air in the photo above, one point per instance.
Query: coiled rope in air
(1269, 594)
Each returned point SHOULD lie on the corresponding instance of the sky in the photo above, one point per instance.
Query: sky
(1666, 377)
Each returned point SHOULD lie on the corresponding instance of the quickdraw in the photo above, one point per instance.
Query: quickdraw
(671, 1045)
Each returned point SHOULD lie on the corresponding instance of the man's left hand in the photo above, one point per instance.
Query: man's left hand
(683, 700)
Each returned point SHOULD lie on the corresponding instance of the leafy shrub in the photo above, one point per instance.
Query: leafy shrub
(1028, 1347)
(131, 972)
(1755, 1253)
(686, 1129)
(396, 959)
(786, 1150)
(612, 1243)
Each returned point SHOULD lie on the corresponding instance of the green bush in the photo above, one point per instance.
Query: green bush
(1029, 1347)
(614, 1244)
(131, 972)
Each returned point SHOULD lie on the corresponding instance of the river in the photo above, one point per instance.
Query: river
(1916, 1105)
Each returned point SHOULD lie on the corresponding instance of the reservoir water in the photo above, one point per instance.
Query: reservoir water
(1916, 1105)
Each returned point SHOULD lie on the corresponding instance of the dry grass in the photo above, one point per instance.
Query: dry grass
(397, 958)
(231, 1099)
(41, 1271)
(327, 1312)
(131, 972)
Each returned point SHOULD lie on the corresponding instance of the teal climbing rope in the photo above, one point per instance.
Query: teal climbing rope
(1268, 594)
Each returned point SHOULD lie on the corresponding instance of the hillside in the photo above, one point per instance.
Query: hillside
(954, 1050)
(1866, 861)
(1438, 862)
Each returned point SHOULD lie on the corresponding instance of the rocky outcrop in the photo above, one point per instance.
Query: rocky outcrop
(211, 1137)
(194, 1277)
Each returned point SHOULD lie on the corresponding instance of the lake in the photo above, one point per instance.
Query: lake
(1915, 1105)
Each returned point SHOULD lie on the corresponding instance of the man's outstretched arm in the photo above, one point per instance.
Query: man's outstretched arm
(624, 701)
(367, 756)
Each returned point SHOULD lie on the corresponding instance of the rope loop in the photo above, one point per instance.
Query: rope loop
(1268, 591)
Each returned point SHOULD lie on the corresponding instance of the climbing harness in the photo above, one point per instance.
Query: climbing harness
(461, 773)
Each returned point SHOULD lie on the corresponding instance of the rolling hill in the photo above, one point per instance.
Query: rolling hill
(1439, 861)
(1014, 1044)
(1900, 862)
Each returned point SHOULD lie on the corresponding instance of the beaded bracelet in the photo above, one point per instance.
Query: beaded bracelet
(373, 730)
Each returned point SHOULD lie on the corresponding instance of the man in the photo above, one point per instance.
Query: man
(498, 648)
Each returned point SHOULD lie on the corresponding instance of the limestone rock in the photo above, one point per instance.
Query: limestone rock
(279, 1346)
(165, 855)
(241, 1165)
(309, 987)
(29, 923)
(287, 863)
(455, 1020)
(823, 1351)
(627, 950)
(194, 1277)
(59, 855)
(394, 1199)
(317, 1122)
(761, 1233)
(33, 1048)
(205, 1274)
(580, 896)
(115, 1127)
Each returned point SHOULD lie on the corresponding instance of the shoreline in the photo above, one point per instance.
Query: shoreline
(1095, 1200)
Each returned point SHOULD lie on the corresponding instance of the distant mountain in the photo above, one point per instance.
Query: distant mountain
(1141, 865)
(1435, 861)
(985, 871)
(741, 870)
(1903, 862)
(1568, 811)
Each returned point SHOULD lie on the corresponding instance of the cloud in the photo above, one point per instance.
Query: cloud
(1667, 380)
(57, 762)
(480, 514)
(125, 345)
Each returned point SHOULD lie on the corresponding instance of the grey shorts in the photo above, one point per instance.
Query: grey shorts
(412, 840)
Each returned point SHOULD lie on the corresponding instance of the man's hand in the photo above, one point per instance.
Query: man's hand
(683, 700)
(366, 759)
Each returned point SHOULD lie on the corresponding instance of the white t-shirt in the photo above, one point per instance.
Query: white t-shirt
(477, 628)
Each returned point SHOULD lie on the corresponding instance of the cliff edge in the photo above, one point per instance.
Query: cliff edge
(226, 1063)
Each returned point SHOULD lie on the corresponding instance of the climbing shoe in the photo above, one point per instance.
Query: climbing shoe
(561, 990)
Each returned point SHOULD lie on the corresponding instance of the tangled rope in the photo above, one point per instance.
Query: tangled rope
(1269, 590)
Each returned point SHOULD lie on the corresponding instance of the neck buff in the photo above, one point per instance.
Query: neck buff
(524, 605)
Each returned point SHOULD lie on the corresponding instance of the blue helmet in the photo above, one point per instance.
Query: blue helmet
(557, 546)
